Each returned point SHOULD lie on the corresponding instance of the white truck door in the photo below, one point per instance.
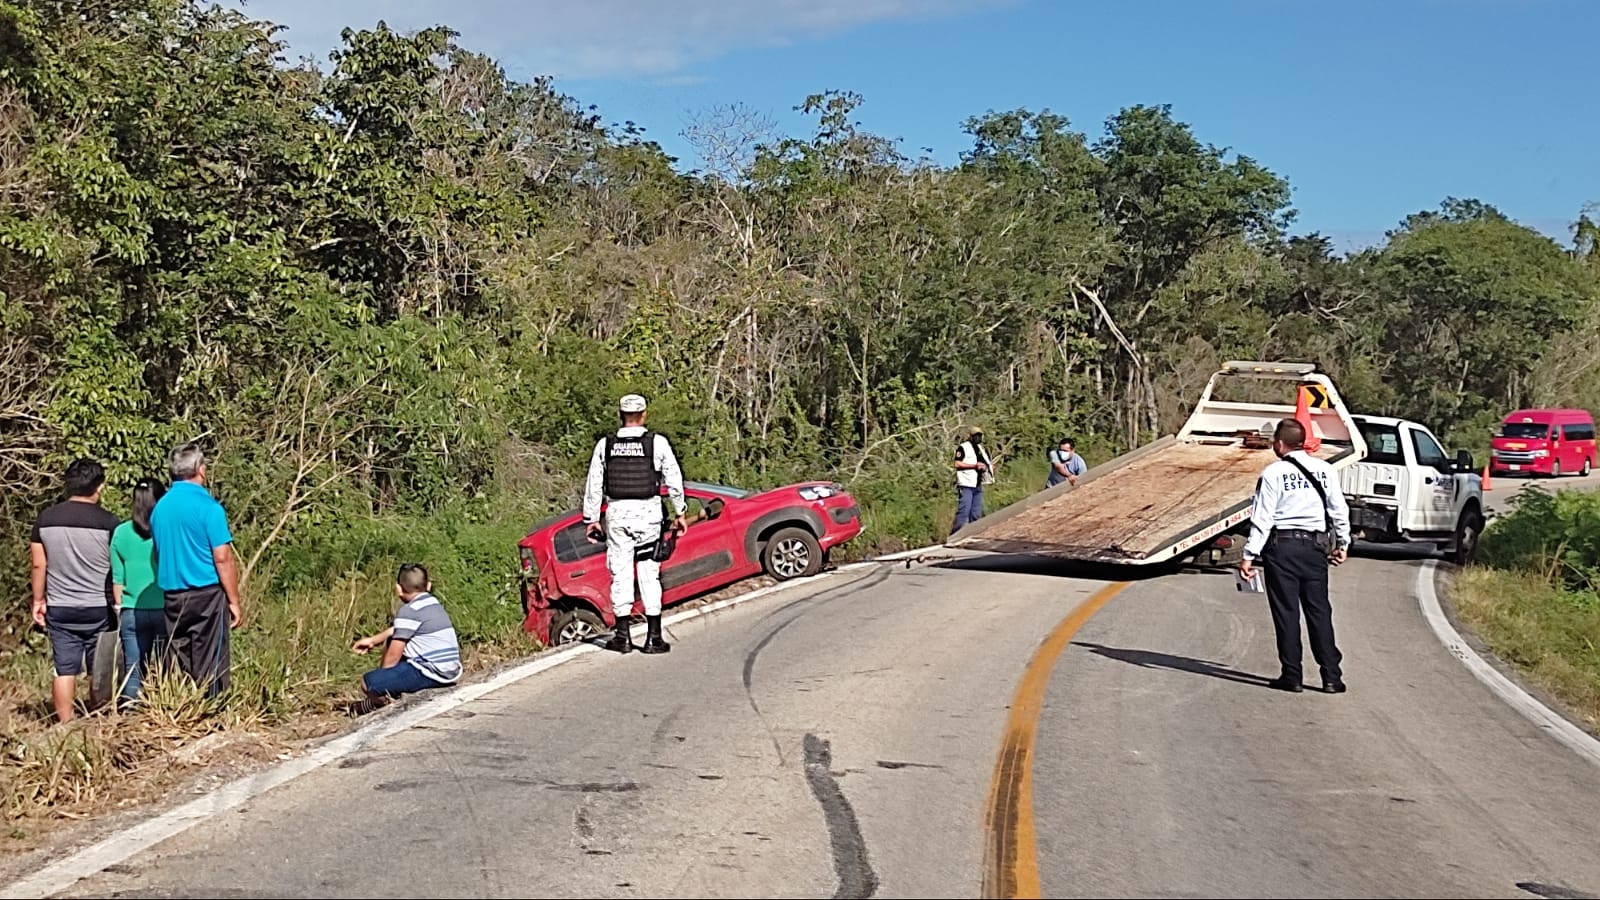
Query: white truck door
(1433, 483)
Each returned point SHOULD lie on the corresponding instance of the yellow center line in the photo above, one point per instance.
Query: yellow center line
(1011, 853)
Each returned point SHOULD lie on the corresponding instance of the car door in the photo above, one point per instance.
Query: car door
(1434, 490)
(705, 557)
(580, 566)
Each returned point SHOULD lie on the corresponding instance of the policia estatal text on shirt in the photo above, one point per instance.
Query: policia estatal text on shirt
(1290, 517)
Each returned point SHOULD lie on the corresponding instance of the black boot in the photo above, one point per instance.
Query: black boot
(653, 642)
(621, 641)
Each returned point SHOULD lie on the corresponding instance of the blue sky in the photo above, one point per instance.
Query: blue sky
(1371, 110)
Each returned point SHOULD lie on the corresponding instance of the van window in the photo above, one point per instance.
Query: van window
(1535, 430)
(1578, 431)
(1428, 451)
(1383, 443)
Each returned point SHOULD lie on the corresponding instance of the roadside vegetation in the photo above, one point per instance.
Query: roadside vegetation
(1535, 601)
(396, 296)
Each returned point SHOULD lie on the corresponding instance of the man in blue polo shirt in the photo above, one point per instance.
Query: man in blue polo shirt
(196, 571)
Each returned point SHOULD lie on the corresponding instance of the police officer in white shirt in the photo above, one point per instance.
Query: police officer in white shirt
(626, 474)
(1289, 519)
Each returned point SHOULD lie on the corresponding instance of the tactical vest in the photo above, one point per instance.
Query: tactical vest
(631, 467)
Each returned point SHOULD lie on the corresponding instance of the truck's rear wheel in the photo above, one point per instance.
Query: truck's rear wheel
(1468, 530)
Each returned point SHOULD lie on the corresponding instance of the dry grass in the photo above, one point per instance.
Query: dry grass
(53, 772)
(1552, 636)
(294, 679)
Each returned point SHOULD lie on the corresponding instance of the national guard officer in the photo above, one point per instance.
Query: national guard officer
(1299, 523)
(626, 474)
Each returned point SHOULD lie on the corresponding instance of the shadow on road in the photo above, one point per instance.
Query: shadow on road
(1033, 564)
(1030, 564)
(1150, 659)
(1395, 552)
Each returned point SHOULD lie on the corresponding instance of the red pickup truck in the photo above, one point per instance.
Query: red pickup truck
(733, 534)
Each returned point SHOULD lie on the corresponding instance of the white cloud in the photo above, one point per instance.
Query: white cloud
(600, 38)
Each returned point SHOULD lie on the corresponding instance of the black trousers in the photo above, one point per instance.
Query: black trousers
(197, 636)
(1297, 576)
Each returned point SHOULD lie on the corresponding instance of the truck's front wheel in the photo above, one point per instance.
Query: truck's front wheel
(1468, 529)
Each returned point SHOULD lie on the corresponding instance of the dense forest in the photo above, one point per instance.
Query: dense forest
(402, 290)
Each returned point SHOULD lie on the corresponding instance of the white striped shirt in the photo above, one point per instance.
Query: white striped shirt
(430, 638)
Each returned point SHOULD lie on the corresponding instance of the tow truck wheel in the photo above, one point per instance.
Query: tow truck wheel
(1468, 530)
(1555, 469)
(1585, 472)
(574, 625)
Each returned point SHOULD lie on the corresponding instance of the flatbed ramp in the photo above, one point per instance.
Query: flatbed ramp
(1168, 497)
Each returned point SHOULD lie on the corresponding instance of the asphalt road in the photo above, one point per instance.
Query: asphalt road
(845, 739)
(1503, 488)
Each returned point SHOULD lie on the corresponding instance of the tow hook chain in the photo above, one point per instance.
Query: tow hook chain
(922, 558)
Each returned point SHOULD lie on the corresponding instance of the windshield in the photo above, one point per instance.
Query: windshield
(1383, 443)
(722, 489)
(1524, 430)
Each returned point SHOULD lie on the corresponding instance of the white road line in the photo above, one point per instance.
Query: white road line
(1545, 718)
(59, 876)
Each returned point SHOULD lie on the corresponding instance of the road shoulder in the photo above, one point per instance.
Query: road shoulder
(1542, 707)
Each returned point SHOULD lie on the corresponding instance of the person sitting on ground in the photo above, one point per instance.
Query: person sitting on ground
(420, 648)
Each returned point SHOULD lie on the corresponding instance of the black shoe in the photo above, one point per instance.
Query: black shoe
(653, 642)
(1292, 685)
(1333, 687)
(621, 641)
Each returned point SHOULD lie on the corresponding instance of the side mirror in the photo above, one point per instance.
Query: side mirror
(1464, 461)
(714, 509)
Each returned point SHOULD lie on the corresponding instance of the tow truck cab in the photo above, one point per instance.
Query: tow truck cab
(1408, 490)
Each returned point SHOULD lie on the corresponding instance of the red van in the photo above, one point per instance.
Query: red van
(1544, 442)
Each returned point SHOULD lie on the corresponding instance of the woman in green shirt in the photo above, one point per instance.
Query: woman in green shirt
(133, 582)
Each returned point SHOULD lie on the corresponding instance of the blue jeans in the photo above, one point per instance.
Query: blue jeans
(969, 506)
(144, 635)
(400, 678)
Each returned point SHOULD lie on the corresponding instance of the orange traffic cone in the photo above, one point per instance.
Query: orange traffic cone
(1486, 478)
(1302, 414)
